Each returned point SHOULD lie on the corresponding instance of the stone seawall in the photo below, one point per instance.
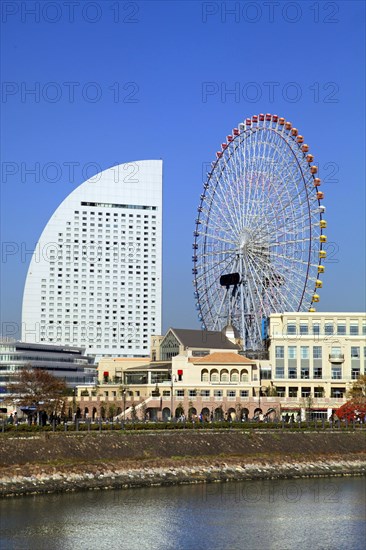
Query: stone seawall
(58, 462)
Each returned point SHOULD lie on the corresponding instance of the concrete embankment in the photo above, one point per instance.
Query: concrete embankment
(66, 462)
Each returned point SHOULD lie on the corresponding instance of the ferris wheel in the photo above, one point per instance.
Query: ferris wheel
(258, 239)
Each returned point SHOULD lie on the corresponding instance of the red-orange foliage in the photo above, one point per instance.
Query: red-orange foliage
(351, 410)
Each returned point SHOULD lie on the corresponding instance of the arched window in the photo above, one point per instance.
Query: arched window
(234, 376)
(244, 376)
(215, 376)
(224, 376)
(204, 376)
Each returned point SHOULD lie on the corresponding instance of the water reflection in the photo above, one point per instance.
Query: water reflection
(315, 513)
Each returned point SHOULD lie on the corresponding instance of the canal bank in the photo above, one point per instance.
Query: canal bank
(53, 462)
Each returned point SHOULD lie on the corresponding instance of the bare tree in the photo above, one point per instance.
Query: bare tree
(39, 389)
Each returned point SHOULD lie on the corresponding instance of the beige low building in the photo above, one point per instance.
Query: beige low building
(195, 373)
(316, 356)
(312, 359)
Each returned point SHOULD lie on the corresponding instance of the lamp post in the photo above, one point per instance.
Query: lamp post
(123, 392)
(172, 380)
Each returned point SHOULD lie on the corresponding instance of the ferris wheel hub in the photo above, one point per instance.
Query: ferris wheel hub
(244, 240)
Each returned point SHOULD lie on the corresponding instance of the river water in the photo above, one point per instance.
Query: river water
(296, 514)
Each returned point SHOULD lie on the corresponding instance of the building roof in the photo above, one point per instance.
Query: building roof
(203, 339)
(56, 348)
(219, 358)
(151, 367)
(125, 359)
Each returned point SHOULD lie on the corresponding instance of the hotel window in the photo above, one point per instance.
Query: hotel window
(329, 328)
(364, 329)
(354, 329)
(317, 352)
(266, 374)
(291, 328)
(305, 373)
(355, 373)
(218, 393)
(304, 352)
(337, 392)
(304, 329)
(336, 372)
(244, 393)
(305, 392)
(292, 352)
(355, 352)
(341, 328)
(280, 372)
(318, 373)
(280, 352)
(179, 393)
(316, 328)
(292, 372)
(292, 392)
(231, 393)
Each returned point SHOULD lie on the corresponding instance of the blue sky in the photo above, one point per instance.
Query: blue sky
(122, 81)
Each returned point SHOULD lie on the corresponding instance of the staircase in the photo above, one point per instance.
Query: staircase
(127, 413)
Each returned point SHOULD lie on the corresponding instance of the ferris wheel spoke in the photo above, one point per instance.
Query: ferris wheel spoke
(265, 275)
(233, 197)
(284, 207)
(216, 237)
(223, 194)
(209, 267)
(295, 278)
(218, 252)
(283, 296)
(216, 223)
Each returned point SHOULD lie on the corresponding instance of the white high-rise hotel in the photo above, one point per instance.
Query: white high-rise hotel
(95, 276)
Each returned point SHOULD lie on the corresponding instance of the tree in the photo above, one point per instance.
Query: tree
(271, 391)
(307, 404)
(357, 392)
(351, 411)
(356, 406)
(143, 412)
(40, 390)
(133, 413)
(111, 410)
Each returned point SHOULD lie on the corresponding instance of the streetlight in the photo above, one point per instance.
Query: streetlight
(123, 392)
(172, 380)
